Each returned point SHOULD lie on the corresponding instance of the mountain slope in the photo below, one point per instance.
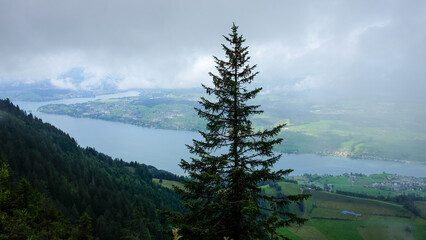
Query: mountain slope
(113, 192)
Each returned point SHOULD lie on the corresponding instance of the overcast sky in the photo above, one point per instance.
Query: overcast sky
(345, 46)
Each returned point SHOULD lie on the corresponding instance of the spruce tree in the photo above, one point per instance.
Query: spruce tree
(222, 192)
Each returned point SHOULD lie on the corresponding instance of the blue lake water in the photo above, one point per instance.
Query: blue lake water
(164, 148)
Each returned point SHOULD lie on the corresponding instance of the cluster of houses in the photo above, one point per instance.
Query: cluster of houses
(400, 184)
(387, 182)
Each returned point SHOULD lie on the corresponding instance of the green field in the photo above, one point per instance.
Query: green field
(422, 207)
(378, 220)
(167, 183)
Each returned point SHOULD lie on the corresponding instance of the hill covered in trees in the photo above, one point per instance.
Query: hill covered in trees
(120, 198)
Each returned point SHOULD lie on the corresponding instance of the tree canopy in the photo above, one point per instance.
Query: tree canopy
(93, 191)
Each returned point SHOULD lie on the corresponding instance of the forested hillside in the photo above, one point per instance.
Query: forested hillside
(119, 197)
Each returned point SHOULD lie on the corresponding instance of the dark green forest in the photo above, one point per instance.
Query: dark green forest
(113, 199)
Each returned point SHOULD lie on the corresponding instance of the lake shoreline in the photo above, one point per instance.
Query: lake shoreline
(331, 154)
(374, 157)
(164, 148)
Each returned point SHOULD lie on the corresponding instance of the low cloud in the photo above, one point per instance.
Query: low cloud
(196, 71)
(360, 46)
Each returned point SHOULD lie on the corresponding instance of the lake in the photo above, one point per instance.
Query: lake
(164, 148)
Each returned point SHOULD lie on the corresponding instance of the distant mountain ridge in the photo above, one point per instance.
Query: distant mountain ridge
(83, 180)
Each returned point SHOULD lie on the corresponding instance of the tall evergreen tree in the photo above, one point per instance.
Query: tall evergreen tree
(85, 227)
(223, 192)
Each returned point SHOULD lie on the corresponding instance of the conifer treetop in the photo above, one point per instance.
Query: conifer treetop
(223, 193)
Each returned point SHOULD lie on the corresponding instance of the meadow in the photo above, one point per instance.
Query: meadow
(377, 219)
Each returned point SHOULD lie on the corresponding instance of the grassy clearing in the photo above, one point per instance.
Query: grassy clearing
(420, 228)
(366, 207)
(337, 180)
(368, 227)
(331, 213)
(379, 227)
(167, 183)
(289, 234)
(308, 232)
(335, 229)
(422, 207)
(364, 190)
(287, 188)
(379, 220)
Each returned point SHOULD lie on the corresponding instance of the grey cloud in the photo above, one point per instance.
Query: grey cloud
(321, 45)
